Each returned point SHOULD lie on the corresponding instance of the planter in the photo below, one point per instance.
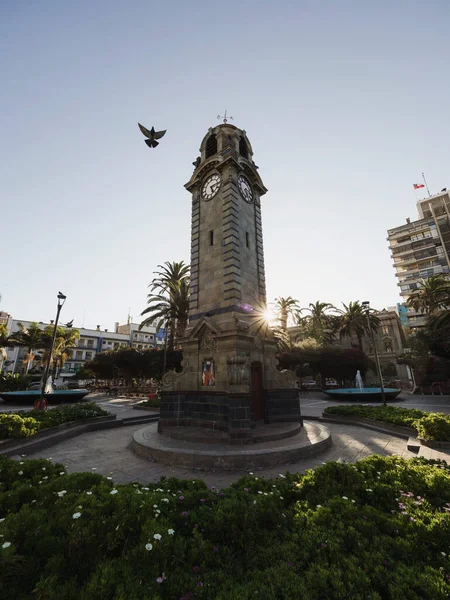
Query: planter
(397, 430)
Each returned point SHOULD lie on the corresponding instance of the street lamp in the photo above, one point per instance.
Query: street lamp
(41, 403)
(366, 306)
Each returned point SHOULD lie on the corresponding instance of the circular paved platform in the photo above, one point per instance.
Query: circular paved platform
(312, 439)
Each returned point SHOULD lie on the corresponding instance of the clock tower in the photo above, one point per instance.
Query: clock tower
(229, 379)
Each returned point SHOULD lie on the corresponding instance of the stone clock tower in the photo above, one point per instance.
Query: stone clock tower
(229, 379)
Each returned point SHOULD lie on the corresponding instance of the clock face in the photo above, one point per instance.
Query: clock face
(211, 186)
(245, 188)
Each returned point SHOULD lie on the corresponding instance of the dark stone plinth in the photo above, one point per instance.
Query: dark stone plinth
(226, 411)
(282, 405)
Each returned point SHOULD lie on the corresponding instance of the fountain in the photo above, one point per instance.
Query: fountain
(361, 393)
(50, 394)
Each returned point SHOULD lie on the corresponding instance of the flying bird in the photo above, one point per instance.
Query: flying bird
(152, 135)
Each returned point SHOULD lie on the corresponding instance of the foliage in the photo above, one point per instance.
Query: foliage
(354, 322)
(319, 324)
(286, 307)
(429, 426)
(17, 426)
(25, 423)
(328, 362)
(170, 305)
(432, 296)
(130, 363)
(31, 338)
(10, 382)
(377, 529)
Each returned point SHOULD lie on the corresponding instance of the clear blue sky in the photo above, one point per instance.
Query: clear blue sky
(345, 103)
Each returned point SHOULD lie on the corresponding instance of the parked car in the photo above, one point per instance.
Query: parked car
(35, 386)
(331, 383)
(310, 383)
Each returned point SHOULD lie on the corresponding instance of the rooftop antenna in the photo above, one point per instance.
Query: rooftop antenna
(225, 117)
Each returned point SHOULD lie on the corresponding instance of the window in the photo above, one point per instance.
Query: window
(90, 343)
(88, 355)
(79, 354)
(211, 237)
(247, 239)
(388, 346)
(211, 146)
(243, 148)
(385, 330)
(80, 344)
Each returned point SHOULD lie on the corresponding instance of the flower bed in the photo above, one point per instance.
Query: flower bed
(377, 529)
(429, 426)
(26, 423)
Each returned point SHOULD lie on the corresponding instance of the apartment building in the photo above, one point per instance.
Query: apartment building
(421, 248)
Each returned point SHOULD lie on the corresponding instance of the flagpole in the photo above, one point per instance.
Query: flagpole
(426, 184)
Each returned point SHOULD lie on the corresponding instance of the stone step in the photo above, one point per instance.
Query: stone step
(138, 420)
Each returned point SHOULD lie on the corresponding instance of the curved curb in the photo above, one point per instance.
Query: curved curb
(230, 459)
(373, 424)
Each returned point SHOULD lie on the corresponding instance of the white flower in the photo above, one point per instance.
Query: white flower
(20, 472)
(93, 468)
(158, 511)
(89, 493)
(259, 492)
(46, 477)
(250, 473)
(157, 536)
(43, 468)
(138, 492)
(281, 498)
(110, 478)
(61, 493)
(21, 462)
(6, 545)
(319, 506)
(171, 531)
(160, 490)
(113, 492)
(76, 515)
(353, 501)
(1, 520)
(155, 506)
(148, 546)
(165, 499)
(283, 476)
(369, 490)
(62, 473)
(345, 497)
(443, 554)
(146, 489)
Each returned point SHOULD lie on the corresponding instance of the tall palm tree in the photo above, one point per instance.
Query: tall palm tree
(5, 341)
(285, 308)
(66, 338)
(31, 338)
(170, 305)
(354, 322)
(432, 296)
(320, 322)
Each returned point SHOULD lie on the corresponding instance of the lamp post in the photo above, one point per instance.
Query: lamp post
(41, 403)
(366, 306)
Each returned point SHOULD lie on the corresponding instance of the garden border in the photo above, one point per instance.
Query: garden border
(53, 435)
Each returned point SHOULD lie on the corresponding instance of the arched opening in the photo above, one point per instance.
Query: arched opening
(257, 391)
(243, 148)
(211, 146)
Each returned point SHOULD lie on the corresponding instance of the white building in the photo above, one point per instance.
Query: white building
(90, 343)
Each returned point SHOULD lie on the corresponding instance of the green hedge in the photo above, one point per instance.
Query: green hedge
(429, 426)
(26, 423)
(379, 529)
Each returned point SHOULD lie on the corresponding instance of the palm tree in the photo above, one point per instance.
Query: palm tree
(320, 322)
(170, 306)
(285, 308)
(433, 295)
(354, 322)
(4, 342)
(66, 338)
(31, 338)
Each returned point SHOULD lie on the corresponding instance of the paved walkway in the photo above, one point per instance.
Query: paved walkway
(108, 452)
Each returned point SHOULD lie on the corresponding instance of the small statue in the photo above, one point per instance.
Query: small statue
(196, 162)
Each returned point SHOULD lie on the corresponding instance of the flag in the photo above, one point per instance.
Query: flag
(417, 186)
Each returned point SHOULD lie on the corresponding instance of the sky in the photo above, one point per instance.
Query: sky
(345, 104)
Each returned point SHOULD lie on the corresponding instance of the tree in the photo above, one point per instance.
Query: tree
(4, 342)
(285, 308)
(320, 324)
(432, 296)
(64, 341)
(32, 339)
(353, 322)
(170, 306)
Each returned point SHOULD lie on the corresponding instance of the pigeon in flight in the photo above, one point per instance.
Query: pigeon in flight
(152, 135)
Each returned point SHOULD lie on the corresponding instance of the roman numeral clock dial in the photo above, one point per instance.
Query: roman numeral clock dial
(211, 186)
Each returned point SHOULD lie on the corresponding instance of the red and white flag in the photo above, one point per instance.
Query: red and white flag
(417, 186)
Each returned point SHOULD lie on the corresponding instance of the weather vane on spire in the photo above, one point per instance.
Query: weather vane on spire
(225, 117)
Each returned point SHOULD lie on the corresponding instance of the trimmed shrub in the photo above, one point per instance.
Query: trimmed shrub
(17, 426)
(26, 423)
(430, 426)
(377, 529)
